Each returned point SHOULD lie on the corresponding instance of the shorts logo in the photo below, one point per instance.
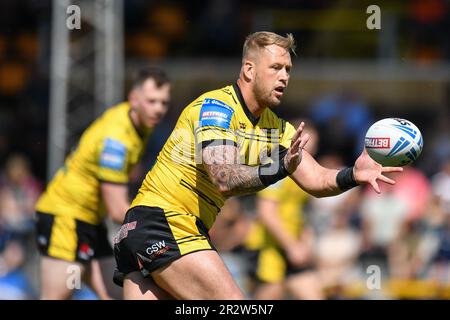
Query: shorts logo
(85, 252)
(215, 113)
(123, 232)
(42, 240)
(156, 249)
(378, 143)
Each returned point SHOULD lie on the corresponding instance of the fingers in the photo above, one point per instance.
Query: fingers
(298, 133)
(391, 169)
(304, 140)
(386, 179)
(375, 186)
(295, 146)
(299, 144)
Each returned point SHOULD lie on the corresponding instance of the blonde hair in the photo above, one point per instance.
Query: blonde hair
(259, 40)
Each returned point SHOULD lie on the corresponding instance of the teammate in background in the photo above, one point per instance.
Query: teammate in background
(284, 259)
(93, 184)
(226, 142)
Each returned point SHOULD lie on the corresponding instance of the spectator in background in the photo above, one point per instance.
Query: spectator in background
(337, 254)
(19, 191)
(342, 120)
(415, 190)
(14, 284)
(321, 211)
(428, 20)
(338, 244)
(389, 222)
(382, 219)
(441, 186)
(432, 258)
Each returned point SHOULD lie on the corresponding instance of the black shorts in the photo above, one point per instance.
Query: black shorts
(69, 239)
(151, 238)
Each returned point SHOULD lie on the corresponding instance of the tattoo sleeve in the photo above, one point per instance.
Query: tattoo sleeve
(222, 164)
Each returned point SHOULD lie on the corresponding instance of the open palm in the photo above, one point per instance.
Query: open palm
(367, 171)
(294, 154)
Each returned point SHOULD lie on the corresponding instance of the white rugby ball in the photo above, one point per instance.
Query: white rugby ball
(394, 142)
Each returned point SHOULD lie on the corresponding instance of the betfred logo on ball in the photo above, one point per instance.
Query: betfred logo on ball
(378, 143)
(393, 142)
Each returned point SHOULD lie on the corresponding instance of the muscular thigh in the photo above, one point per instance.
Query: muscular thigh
(199, 275)
(175, 251)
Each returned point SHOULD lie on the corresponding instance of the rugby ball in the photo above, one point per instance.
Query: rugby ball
(394, 142)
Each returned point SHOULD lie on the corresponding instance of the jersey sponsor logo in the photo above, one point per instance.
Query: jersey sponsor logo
(378, 143)
(113, 155)
(215, 113)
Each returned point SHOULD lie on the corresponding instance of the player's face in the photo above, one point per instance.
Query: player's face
(272, 75)
(150, 102)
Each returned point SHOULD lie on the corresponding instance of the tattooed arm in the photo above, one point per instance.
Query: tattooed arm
(230, 177)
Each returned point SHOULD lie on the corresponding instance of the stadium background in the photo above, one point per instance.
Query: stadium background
(344, 78)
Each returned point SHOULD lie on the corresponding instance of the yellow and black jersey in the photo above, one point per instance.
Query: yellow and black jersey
(291, 200)
(106, 152)
(178, 183)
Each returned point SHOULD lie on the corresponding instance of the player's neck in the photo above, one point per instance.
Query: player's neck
(140, 128)
(250, 99)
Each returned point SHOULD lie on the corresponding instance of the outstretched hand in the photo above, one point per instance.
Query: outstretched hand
(367, 171)
(294, 154)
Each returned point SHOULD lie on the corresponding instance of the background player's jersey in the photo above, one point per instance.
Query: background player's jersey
(291, 201)
(179, 183)
(106, 153)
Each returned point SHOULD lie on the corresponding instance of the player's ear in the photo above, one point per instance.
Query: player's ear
(248, 69)
(132, 97)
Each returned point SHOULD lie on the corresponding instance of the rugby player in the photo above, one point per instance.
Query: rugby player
(92, 184)
(226, 142)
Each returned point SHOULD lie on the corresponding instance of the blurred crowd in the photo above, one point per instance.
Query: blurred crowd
(393, 245)
(401, 236)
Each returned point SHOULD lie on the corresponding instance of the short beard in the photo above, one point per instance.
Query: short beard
(263, 98)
